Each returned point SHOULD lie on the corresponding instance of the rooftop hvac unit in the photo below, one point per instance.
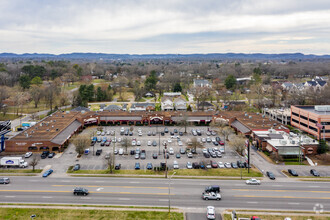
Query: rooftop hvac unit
(246, 115)
(263, 116)
(250, 117)
(322, 108)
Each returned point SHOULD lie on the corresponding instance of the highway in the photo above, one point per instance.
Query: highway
(185, 193)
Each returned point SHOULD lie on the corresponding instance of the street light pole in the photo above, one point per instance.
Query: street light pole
(158, 141)
(169, 194)
(165, 155)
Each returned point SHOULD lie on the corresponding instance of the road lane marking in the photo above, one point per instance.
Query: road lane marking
(293, 203)
(126, 187)
(65, 181)
(163, 200)
(47, 197)
(99, 181)
(313, 186)
(85, 198)
(52, 191)
(10, 196)
(280, 190)
(33, 180)
(134, 182)
(239, 184)
(124, 199)
(252, 202)
(283, 197)
(277, 185)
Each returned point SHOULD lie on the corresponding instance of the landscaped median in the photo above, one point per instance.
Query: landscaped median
(216, 173)
(20, 172)
(308, 178)
(68, 213)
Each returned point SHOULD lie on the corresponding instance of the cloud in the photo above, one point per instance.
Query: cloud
(155, 26)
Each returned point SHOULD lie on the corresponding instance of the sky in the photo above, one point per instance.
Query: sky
(165, 26)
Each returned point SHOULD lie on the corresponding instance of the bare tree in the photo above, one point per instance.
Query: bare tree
(81, 142)
(195, 144)
(34, 162)
(110, 161)
(238, 144)
(36, 93)
(184, 122)
(126, 143)
(226, 131)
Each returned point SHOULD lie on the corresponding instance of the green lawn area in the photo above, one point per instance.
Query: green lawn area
(98, 81)
(278, 217)
(293, 163)
(8, 117)
(20, 171)
(72, 214)
(183, 172)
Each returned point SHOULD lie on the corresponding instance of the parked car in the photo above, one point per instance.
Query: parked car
(218, 153)
(175, 165)
(314, 172)
(166, 130)
(252, 182)
(137, 166)
(221, 165)
(98, 152)
(234, 165)
(143, 155)
(47, 173)
(44, 154)
(208, 165)
(214, 164)
(181, 133)
(171, 151)
(149, 166)
(132, 152)
(178, 156)
(137, 156)
(202, 165)
(154, 133)
(51, 155)
(154, 143)
(4, 180)
(210, 212)
(76, 167)
(117, 166)
(227, 165)
(28, 154)
(121, 151)
(195, 165)
(189, 155)
(107, 156)
(270, 175)
(154, 156)
(211, 196)
(80, 191)
(182, 151)
(189, 165)
(292, 172)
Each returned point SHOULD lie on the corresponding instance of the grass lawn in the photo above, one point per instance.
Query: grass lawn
(8, 117)
(293, 163)
(278, 217)
(69, 214)
(183, 172)
(20, 171)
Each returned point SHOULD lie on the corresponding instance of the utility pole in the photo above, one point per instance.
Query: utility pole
(165, 155)
(169, 195)
(158, 141)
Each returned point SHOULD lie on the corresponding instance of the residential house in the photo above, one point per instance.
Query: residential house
(172, 94)
(142, 107)
(149, 94)
(205, 106)
(202, 83)
(80, 109)
(287, 86)
(180, 104)
(112, 108)
(167, 104)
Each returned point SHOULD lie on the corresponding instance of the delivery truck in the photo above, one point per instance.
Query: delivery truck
(13, 162)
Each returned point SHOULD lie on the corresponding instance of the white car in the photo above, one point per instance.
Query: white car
(149, 143)
(221, 165)
(133, 143)
(98, 133)
(190, 155)
(119, 140)
(169, 140)
(180, 143)
(121, 151)
(108, 132)
(175, 165)
(171, 151)
(138, 143)
(204, 151)
(208, 139)
(213, 140)
(227, 165)
(28, 154)
(210, 213)
(203, 140)
(140, 133)
(189, 165)
(122, 129)
(102, 133)
(253, 182)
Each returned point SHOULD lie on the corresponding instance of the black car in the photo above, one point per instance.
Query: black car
(166, 130)
(132, 152)
(162, 133)
(130, 133)
(167, 156)
(181, 133)
(314, 172)
(51, 155)
(175, 131)
(154, 156)
(195, 165)
(98, 152)
(118, 166)
(153, 133)
(44, 154)
(102, 143)
(270, 175)
(172, 133)
(80, 191)
(76, 167)
(206, 155)
(215, 143)
(246, 165)
(92, 143)
(240, 164)
(193, 151)
(292, 172)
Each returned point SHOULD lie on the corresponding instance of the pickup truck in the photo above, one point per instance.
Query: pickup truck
(211, 196)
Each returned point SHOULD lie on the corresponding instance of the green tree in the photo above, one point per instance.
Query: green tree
(151, 81)
(323, 147)
(230, 82)
(177, 87)
(36, 81)
(256, 79)
(257, 70)
(25, 81)
(100, 94)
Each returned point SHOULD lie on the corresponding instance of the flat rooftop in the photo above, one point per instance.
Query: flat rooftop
(310, 108)
(279, 111)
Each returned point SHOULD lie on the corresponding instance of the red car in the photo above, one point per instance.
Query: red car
(221, 143)
(214, 164)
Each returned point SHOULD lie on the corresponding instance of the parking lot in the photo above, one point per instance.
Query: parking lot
(156, 146)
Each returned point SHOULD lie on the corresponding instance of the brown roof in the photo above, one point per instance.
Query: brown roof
(48, 128)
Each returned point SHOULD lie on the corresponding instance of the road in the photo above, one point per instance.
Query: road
(185, 193)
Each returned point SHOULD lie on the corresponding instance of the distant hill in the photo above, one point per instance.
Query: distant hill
(209, 56)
